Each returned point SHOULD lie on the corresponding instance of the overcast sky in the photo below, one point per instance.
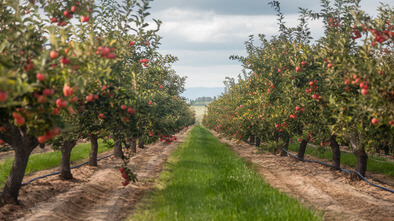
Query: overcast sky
(204, 33)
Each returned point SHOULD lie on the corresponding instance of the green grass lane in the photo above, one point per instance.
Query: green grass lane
(374, 164)
(205, 180)
(49, 160)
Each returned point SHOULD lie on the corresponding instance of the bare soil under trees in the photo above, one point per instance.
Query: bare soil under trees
(320, 188)
(95, 193)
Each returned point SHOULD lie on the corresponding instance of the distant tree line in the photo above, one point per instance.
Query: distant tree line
(201, 101)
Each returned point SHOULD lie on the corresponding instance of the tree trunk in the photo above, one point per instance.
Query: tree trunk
(285, 146)
(141, 143)
(361, 165)
(118, 149)
(362, 157)
(301, 150)
(252, 139)
(133, 147)
(258, 141)
(65, 171)
(93, 150)
(23, 145)
(336, 153)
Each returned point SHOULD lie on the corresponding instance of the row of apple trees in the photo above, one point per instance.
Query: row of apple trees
(339, 89)
(76, 69)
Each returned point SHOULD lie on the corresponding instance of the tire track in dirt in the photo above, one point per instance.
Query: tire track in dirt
(316, 186)
(96, 193)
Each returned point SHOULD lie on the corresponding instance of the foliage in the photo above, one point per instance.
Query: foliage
(341, 84)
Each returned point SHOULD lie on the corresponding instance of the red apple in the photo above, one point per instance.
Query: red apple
(126, 182)
(73, 8)
(16, 115)
(364, 91)
(131, 43)
(125, 176)
(20, 121)
(29, 66)
(111, 56)
(61, 103)
(374, 121)
(123, 107)
(89, 97)
(68, 91)
(150, 103)
(53, 20)
(3, 96)
(65, 13)
(48, 92)
(74, 99)
(105, 51)
(71, 110)
(40, 77)
(64, 60)
(85, 18)
(41, 139)
(95, 96)
(329, 65)
(56, 111)
(41, 99)
(130, 110)
(298, 69)
(380, 72)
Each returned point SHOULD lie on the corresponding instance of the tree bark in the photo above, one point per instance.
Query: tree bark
(23, 145)
(362, 156)
(118, 149)
(65, 170)
(258, 141)
(336, 153)
(133, 146)
(93, 150)
(285, 146)
(252, 139)
(301, 150)
(141, 143)
(361, 165)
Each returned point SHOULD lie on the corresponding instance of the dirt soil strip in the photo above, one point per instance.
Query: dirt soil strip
(318, 187)
(95, 193)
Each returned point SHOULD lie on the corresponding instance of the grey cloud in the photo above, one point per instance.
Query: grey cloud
(236, 7)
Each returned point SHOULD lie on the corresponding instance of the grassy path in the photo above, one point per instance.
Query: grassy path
(205, 180)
